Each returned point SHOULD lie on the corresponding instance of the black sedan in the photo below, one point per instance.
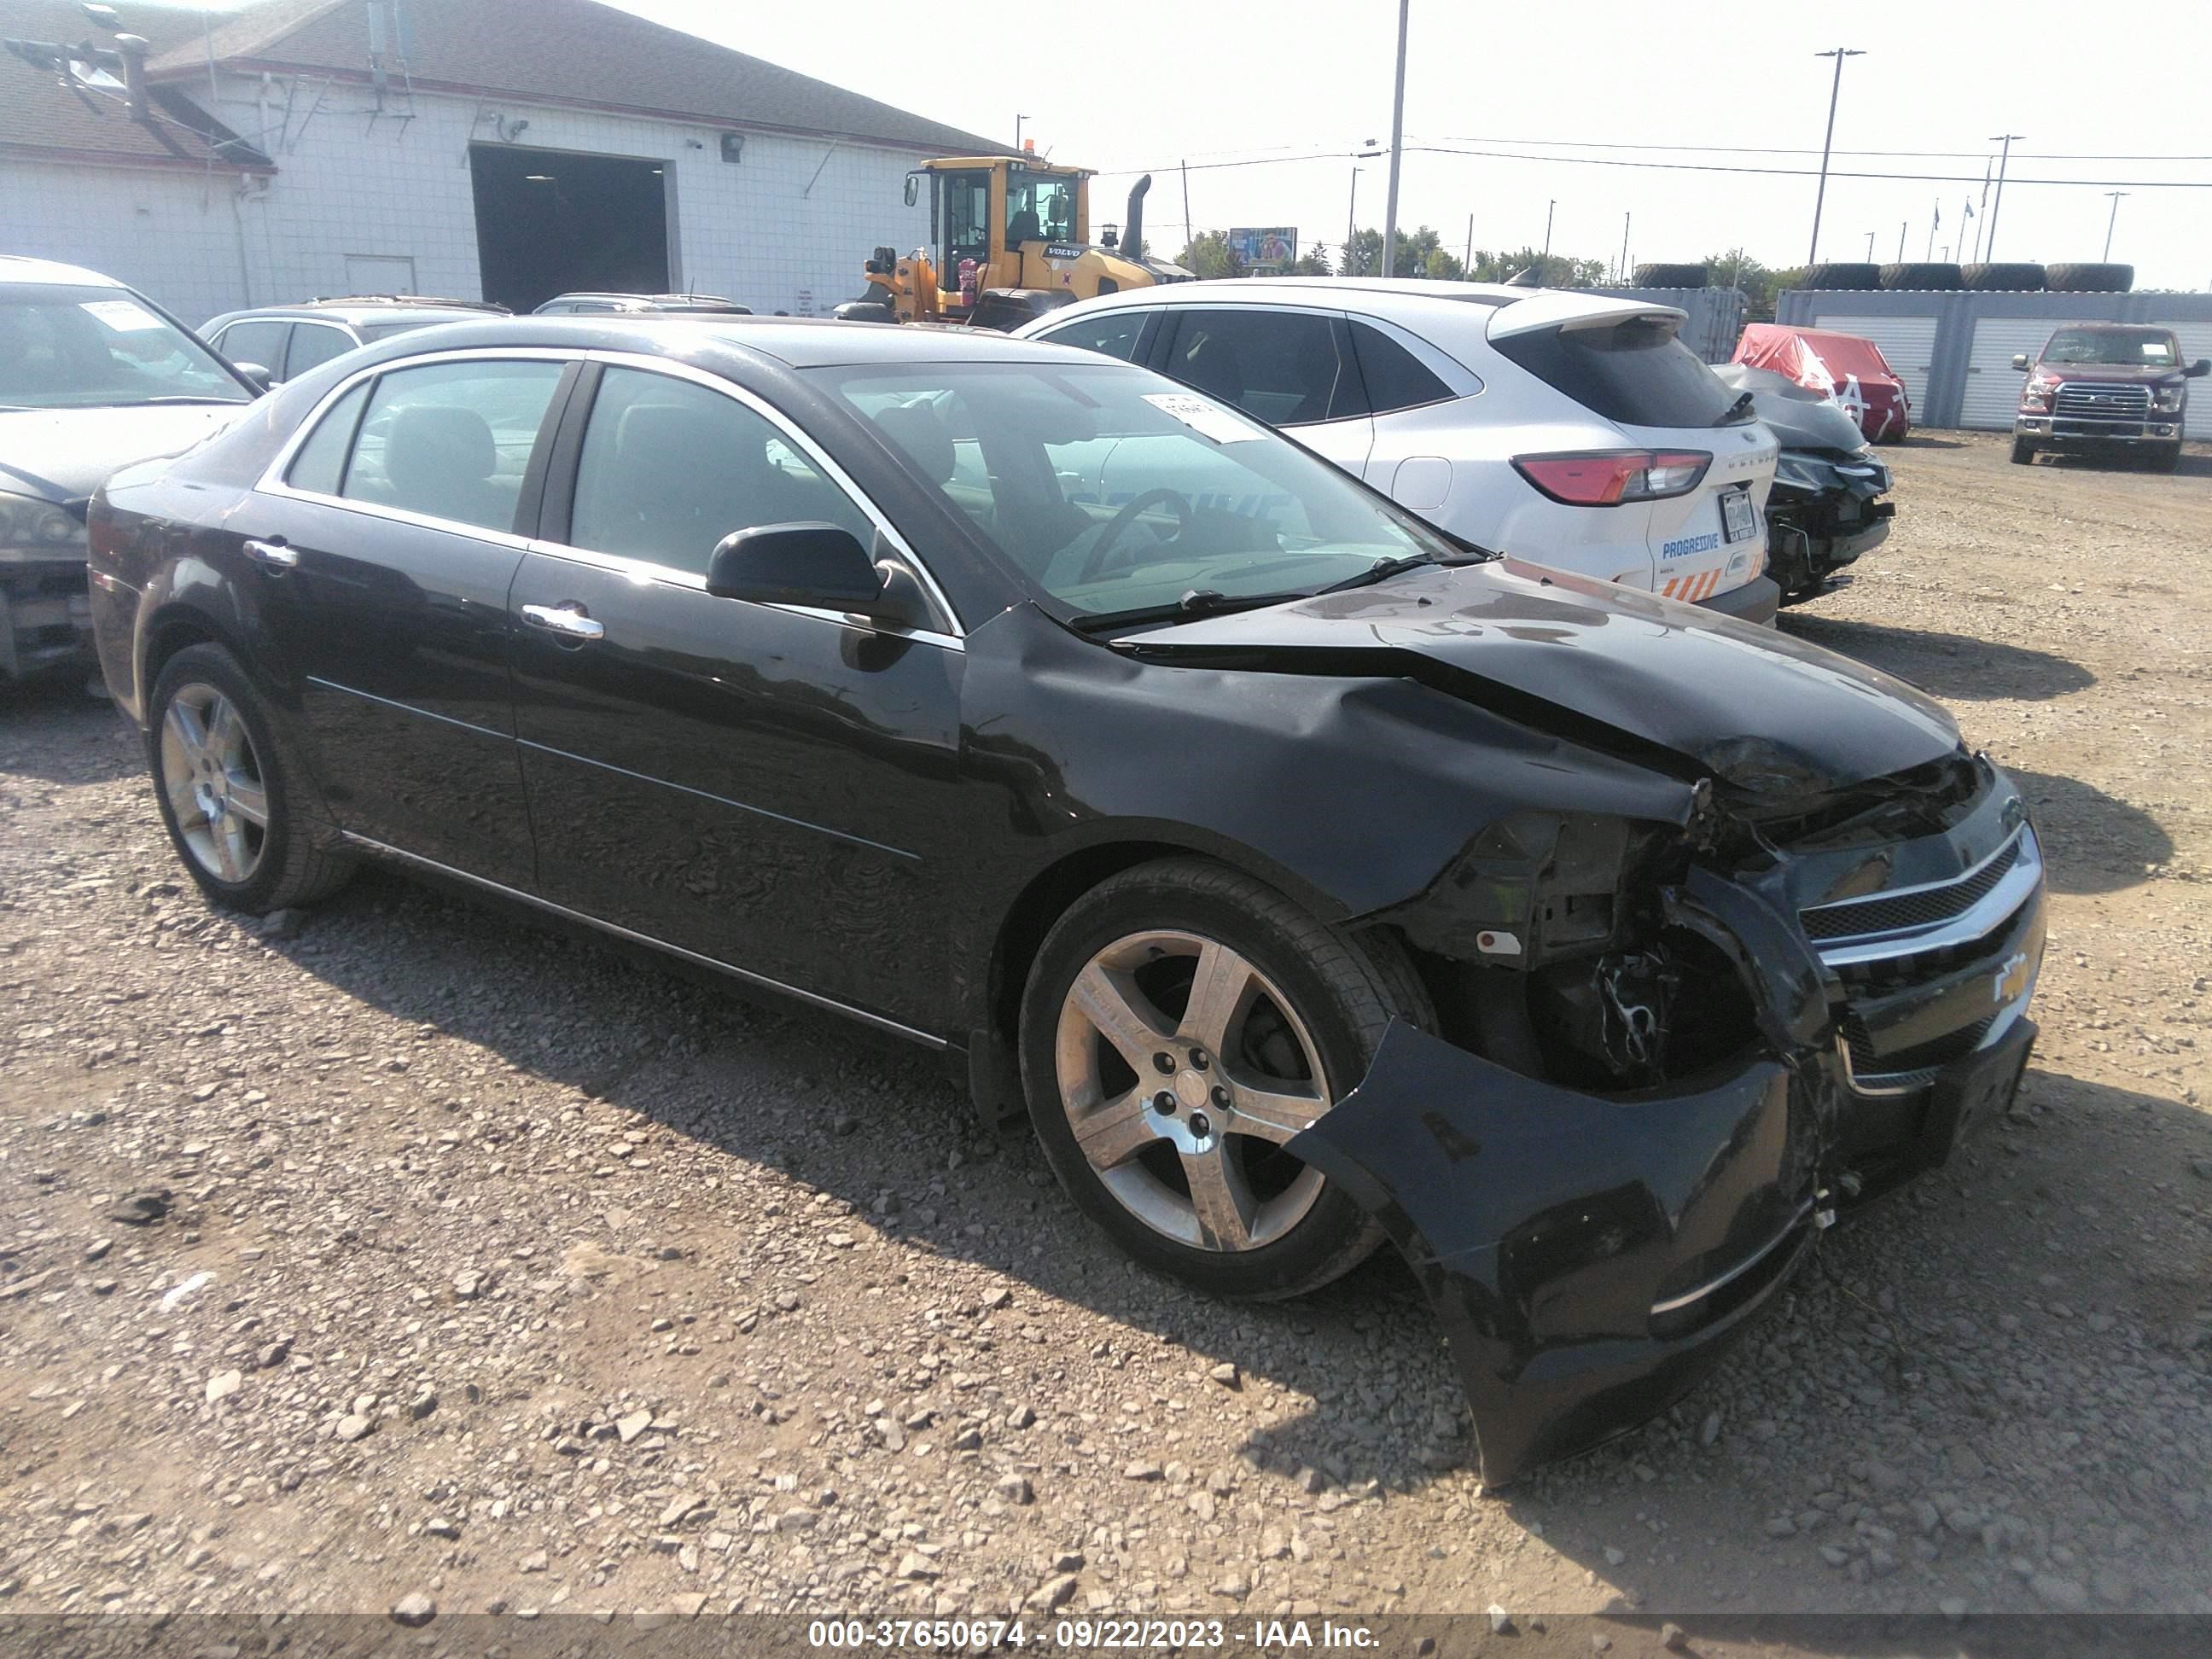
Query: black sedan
(1308, 877)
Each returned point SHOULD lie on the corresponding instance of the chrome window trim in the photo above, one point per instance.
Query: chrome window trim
(272, 481)
(881, 1022)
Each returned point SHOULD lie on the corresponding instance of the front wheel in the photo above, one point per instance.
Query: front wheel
(228, 788)
(2023, 453)
(1181, 1023)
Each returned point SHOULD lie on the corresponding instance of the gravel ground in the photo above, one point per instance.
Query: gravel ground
(498, 1269)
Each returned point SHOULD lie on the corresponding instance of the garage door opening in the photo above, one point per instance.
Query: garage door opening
(551, 221)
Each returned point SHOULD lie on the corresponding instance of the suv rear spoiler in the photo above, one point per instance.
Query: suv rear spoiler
(1564, 308)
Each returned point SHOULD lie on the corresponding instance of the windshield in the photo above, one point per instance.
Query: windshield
(1039, 210)
(2133, 348)
(1116, 492)
(67, 347)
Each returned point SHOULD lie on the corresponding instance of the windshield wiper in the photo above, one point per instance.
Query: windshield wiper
(1198, 602)
(1741, 407)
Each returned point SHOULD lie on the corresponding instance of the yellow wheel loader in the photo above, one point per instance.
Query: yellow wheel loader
(1010, 239)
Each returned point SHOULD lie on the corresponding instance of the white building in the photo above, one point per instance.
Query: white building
(502, 150)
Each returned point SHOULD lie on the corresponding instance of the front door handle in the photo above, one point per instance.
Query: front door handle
(566, 621)
(273, 556)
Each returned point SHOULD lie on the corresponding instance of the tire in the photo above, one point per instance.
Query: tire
(238, 864)
(1670, 276)
(2090, 278)
(2002, 278)
(1853, 278)
(2167, 460)
(2023, 453)
(1922, 277)
(1290, 1232)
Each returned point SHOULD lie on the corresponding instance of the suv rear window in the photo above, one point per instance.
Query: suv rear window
(1634, 371)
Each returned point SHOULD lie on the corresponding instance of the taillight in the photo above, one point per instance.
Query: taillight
(1607, 477)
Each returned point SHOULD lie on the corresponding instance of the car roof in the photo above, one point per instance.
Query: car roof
(794, 342)
(644, 298)
(346, 312)
(20, 268)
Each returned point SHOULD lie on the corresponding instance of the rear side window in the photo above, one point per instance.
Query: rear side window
(314, 344)
(452, 441)
(1115, 333)
(257, 341)
(1394, 377)
(319, 465)
(1280, 367)
(1634, 371)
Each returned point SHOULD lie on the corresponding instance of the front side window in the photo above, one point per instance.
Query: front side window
(314, 345)
(669, 467)
(1113, 491)
(1115, 333)
(1039, 210)
(258, 340)
(67, 346)
(1280, 366)
(452, 441)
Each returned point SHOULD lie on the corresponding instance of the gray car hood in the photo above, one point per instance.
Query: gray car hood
(62, 455)
(1750, 707)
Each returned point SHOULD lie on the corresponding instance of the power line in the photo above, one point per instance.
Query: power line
(1777, 149)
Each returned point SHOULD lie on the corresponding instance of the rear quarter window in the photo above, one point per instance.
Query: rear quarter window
(1394, 377)
(1634, 371)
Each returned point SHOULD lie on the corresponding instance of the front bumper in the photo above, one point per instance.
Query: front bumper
(2159, 427)
(46, 617)
(1590, 1257)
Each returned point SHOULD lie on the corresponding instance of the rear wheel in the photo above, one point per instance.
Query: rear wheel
(228, 788)
(1181, 1023)
(2023, 453)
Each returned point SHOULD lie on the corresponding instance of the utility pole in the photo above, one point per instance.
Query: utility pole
(1835, 89)
(1989, 242)
(1934, 223)
(1870, 258)
(1900, 241)
(1351, 210)
(1189, 230)
(1550, 207)
(2114, 220)
(1467, 265)
(1982, 218)
(1397, 147)
(1620, 273)
(1018, 120)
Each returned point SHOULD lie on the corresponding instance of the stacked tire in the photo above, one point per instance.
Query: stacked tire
(2090, 278)
(1856, 278)
(2002, 278)
(1670, 276)
(1921, 276)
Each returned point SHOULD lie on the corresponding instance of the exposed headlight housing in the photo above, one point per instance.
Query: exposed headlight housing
(2036, 394)
(2166, 399)
(31, 529)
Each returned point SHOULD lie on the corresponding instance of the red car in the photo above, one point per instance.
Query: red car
(1844, 367)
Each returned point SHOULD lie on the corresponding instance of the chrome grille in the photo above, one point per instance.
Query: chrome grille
(1885, 913)
(2095, 400)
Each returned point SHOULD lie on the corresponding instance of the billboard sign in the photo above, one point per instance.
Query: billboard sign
(1274, 247)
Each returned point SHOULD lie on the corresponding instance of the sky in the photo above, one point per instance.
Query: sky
(1152, 83)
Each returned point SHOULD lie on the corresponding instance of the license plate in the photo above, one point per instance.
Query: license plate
(1738, 522)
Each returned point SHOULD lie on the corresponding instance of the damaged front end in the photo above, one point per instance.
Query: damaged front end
(1666, 1119)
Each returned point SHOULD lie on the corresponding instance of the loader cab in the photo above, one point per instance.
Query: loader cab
(986, 209)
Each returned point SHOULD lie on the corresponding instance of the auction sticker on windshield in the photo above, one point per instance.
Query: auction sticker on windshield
(1208, 420)
(124, 316)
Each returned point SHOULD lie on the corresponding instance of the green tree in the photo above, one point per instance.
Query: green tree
(1760, 283)
(1209, 255)
(1554, 270)
(1312, 262)
(1419, 253)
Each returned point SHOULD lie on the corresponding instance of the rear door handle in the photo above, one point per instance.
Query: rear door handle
(567, 621)
(273, 556)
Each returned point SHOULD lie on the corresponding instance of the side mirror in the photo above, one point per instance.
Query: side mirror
(912, 188)
(2020, 362)
(817, 565)
(2198, 370)
(257, 376)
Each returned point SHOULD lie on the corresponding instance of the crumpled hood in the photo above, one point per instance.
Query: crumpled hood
(62, 455)
(1753, 707)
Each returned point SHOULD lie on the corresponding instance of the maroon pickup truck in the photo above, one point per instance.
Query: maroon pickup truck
(2105, 386)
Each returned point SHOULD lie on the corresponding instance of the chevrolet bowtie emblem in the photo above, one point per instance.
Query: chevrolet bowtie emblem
(2011, 979)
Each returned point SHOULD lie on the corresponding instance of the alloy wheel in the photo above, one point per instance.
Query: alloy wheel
(214, 782)
(1183, 1070)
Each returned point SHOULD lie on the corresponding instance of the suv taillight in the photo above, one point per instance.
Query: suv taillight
(1607, 477)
